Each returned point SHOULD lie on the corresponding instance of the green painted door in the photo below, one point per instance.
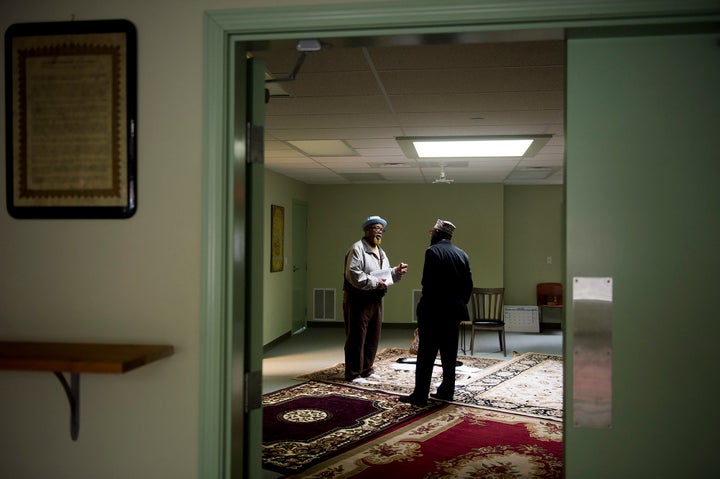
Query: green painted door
(643, 117)
(299, 266)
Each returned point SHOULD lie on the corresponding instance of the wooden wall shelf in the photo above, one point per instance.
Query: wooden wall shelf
(76, 358)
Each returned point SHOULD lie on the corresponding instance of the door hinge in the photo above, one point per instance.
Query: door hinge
(256, 143)
(253, 390)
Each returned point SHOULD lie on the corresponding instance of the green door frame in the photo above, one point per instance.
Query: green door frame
(223, 28)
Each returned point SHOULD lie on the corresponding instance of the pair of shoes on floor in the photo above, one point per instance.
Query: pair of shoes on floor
(413, 400)
(366, 380)
(441, 397)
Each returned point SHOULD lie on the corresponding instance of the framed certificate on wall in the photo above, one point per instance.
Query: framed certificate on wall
(71, 119)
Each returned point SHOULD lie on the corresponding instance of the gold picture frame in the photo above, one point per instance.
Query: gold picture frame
(277, 238)
(71, 103)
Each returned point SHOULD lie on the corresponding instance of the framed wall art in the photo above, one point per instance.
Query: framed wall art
(71, 119)
(277, 238)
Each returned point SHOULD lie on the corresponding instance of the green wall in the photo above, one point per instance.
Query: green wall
(336, 214)
(277, 292)
(508, 231)
(534, 253)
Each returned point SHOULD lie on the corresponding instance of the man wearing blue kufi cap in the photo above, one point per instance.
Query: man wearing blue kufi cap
(374, 220)
(366, 279)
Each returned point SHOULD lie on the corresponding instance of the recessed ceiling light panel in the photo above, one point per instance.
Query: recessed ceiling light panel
(472, 147)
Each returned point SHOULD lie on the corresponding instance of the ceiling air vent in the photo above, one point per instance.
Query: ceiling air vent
(530, 173)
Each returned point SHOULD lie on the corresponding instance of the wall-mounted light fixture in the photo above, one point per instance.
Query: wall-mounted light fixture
(504, 146)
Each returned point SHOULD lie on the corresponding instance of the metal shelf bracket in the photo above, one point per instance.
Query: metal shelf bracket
(72, 391)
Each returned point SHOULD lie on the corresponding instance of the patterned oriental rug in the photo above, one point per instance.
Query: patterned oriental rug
(453, 442)
(396, 366)
(530, 384)
(310, 422)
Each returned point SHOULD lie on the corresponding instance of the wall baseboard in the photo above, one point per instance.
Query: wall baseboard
(276, 341)
(341, 324)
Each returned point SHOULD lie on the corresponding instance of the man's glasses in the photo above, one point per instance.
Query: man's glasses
(378, 228)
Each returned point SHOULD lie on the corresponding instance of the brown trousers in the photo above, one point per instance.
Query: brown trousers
(363, 322)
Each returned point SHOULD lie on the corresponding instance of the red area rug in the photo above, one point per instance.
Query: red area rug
(455, 442)
(311, 422)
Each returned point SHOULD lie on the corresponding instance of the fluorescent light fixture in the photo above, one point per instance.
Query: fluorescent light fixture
(472, 146)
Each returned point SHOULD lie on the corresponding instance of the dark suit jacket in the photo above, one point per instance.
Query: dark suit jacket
(446, 283)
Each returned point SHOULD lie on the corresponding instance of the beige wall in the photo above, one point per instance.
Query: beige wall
(134, 280)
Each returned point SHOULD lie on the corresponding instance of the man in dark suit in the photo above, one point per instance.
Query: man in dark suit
(446, 288)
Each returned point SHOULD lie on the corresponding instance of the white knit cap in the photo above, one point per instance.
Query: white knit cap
(444, 226)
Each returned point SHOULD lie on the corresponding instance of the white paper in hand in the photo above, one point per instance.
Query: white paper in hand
(385, 274)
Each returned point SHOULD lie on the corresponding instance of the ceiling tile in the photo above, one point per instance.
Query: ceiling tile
(367, 96)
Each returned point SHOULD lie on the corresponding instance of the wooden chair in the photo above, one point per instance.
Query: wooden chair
(487, 314)
(549, 296)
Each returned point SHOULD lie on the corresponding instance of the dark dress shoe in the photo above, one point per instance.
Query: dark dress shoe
(415, 401)
(441, 397)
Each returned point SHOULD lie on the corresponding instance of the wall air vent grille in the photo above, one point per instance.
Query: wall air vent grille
(324, 304)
